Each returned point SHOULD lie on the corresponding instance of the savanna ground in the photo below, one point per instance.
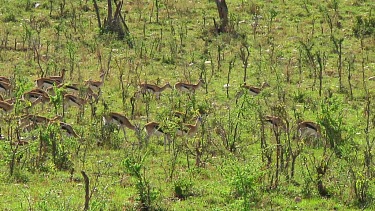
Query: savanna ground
(316, 56)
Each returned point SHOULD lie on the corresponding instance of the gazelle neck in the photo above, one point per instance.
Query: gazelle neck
(165, 86)
(131, 126)
(199, 84)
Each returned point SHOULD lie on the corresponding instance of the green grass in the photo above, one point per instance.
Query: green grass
(183, 46)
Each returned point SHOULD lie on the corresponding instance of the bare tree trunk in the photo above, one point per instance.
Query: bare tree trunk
(109, 15)
(223, 14)
(97, 13)
(87, 190)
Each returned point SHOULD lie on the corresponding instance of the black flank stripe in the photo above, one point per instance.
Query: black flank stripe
(149, 87)
(311, 126)
(254, 90)
(49, 82)
(117, 119)
(74, 100)
(72, 87)
(32, 95)
(186, 87)
(64, 127)
(158, 128)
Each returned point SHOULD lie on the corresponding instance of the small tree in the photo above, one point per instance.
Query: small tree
(114, 22)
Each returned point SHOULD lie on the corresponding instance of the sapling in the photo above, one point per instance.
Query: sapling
(321, 166)
(160, 41)
(50, 7)
(244, 55)
(287, 71)
(296, 152)
(72, 55)
(182, 33)
(38, 60)
(62, 8)
(328, 19)
(272, 15)
(219, 50)
(331, 118)
(321, 59)
(73, 20)
(57, 100)
(157, 10)
(231, 65)
(135, 167)
(309, 56)
(351, 61)
(368, 161)
(208, 57)
(14, 149)
(124, 90)
(363, 64)
(255, 25)
(338, 49)
(305, 2)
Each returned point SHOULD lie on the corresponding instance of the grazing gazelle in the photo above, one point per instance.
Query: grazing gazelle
(35, 95)
(186, 87)
(36, 119)
(154, 129)
(253, 90)
(188, 129)
(150, 88)
(69, 130)
(71, 88)
(39, 91)
(95, 85)
(45, 83)
(308, 130)
(179, 116)
(73, 100)
(7, 107)
(30, 122)
(34, 102)
(277, 123)
(120, 120)
(5, 87)
(5, 79)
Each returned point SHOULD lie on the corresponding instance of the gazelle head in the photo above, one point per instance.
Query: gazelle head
(168, 85)
(201, 81)
(264, 85)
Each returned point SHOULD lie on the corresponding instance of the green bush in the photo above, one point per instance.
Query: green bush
(364, 27)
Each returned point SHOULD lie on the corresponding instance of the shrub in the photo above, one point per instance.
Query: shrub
(364, 26)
